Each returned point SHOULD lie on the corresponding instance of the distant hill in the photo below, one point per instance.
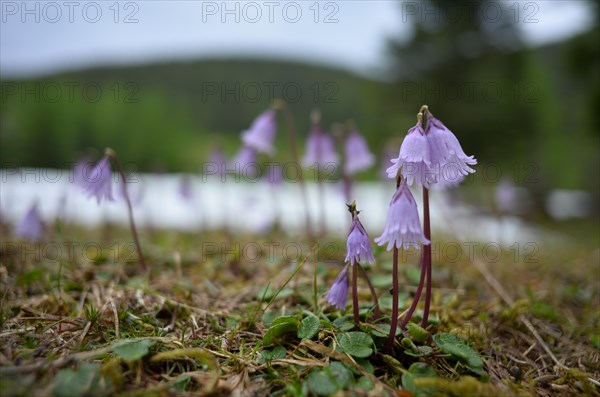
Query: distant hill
(169, 116)
(183, 106)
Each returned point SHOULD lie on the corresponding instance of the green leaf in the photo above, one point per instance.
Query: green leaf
(418, 370)
(133, 350)
(279, 327)
(84, 381)
(343, 323)
(342, 375)
(330, 379)
(308, 327)
(278, 352)
(320, 382)
(357, 344)
(453, 345)
(364, 383)
(366, 364)
(417, 333)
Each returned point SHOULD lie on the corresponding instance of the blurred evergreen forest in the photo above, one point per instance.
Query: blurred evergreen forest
(532, 112)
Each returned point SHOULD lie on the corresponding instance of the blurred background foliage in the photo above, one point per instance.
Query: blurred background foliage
(531, 111)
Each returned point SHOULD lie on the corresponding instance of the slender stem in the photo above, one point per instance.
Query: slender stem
(315, 296)
(373, 292)
(417, 297)
(321, 187)
(276, 207)
(347, 181)
(426, 256)
(294, 148)
(394, 324)
(355, 293)
(130, 213)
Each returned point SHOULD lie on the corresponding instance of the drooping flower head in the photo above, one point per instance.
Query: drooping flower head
(413, 160)
(338, 293)
(31, 227)
(262, 132)
(449, 162)
(402, 226)
(320, 146)
(245, 161)
(358, 155)
(430, 156)
(82, 171)
(98, 182)
(358, 245)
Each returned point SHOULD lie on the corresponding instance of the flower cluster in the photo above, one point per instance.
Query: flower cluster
(431, 155)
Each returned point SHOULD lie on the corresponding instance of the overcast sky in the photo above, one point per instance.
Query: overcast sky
(40, 37)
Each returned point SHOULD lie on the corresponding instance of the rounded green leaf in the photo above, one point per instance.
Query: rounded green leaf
(453, 345)
(357, 344)
(417, 334)
(321, 383)
(308, 327)
(279, 327)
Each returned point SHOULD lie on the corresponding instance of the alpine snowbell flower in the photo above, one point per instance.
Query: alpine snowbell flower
(414, 159)
(98, 183)
(448, 160)
(358, 155)
(31, 227)
(402, 226)
(244, 161)
(358, 245)
(245, 156)
(262, 132)
(431, 155)
(338, 293)
(320, 148)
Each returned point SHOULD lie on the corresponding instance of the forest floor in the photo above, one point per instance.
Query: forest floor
(247, 316)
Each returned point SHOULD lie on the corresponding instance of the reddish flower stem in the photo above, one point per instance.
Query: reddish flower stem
(417, 297)
(426, 256)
